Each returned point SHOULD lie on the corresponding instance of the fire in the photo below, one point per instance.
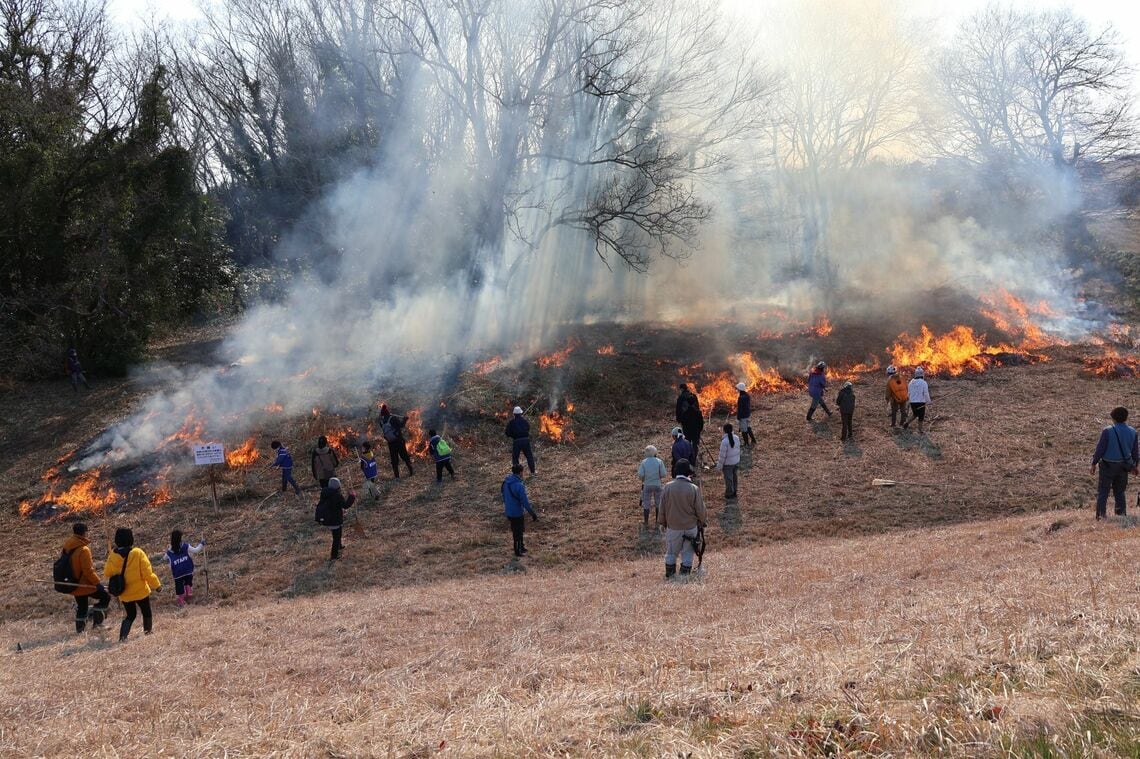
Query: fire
(1015, 317)
(606, 350)
(1112, 365)
(246, 455)
(721, 389)
(558, 358)
(954, 353)
(274, 408)
(161, 495)
(822, 327)
(414, 433)
(191, 431)
(345, 439)
(556, 426)
(488, 366)
(88, 495)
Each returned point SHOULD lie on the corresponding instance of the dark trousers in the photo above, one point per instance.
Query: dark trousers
(102, 601)
(440, 466)
(1114, 477)
(817, 403)
(76, 378)
(522, 445)
(287, 480)
(518, 526)
(694, 438)
(336, 543)
(730, 480)
(182, 583)
(132, 608)
(846, 430)
(898, 407)
(398, 449)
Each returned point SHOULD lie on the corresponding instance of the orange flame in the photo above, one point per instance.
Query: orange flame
(606, 350)
(1015, 317)
(954, 353)
(345, 439)
(721, 389)
(486, 367)
(274, 408)
(822, 327)
(88, 495)
(1112, 365)
(558, 358)
(414, 433)
(162, 493)
(556, 427)
(192, 431)
(246, 455)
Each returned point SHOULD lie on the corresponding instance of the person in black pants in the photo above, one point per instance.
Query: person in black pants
(1117, 453)
(134, 564)
(330, 513)
(846, 403)
(518, 430)
(516, 505)
(393, 429)
(77, 547)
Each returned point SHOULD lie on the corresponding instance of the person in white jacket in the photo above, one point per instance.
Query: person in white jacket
(728, 460)
(918, 392)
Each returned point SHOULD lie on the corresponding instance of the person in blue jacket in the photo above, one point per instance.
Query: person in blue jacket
(1117, 453)
(370, 469)
(682, 450)
(516, 505)
(817, 383)
(284, 462)
(440, 454)
(744, 415)
(518, 430)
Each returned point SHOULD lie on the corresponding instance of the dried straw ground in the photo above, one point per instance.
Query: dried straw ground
(836, 617)
(1017, 637)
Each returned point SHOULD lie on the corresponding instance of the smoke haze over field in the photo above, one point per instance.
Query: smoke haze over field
(812, 177)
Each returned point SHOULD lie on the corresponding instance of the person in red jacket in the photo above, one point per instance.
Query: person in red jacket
(87, 580)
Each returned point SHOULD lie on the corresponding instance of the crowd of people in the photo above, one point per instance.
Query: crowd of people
(675, 498)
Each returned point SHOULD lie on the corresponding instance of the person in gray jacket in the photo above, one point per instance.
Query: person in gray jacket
(651, 472)
(682, 512)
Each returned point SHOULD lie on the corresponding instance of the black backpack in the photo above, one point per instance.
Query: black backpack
(322, 511)
(62, 574)
(117, 584)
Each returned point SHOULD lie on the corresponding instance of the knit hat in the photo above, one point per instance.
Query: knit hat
(677, 432)
(517, 411)
(918, 373)
(684, 467)
(334, 483)
(741, 386)
(847, 383)
(821, 365)
(650, 450)
(891, 370)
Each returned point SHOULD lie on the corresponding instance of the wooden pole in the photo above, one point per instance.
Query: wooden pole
(213, 487)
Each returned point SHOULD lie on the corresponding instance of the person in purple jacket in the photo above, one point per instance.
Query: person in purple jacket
(1117, 454)
(284, 462)
(682, 450)
(817, 383)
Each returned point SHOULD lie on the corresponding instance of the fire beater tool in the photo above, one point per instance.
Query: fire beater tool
(357, 529)
(881, 483)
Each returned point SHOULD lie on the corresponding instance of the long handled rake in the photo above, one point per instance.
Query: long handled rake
(357, 528)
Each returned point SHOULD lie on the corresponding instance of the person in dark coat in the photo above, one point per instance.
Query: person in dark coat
(1117, 453)
(75, 370)
(744, 416)
(393, 429)
(324, 461)
(686, 399)
(515, 506)
(682, 450)
(518, 430)
(846, 402)
(693, 423)
(330, 512)
(817, 383)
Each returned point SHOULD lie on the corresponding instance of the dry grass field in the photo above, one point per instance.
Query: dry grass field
(985, 614)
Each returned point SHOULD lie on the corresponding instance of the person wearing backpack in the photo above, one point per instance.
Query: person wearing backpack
(324, 462)
(518, 430)
(284, 462)
(651, 472)
(516, 505)
(441, 454)
(393, 428)
(370, 469)
(330, 513)
(179, 557)
(1117, 453)
(137, 581)
(84, 579)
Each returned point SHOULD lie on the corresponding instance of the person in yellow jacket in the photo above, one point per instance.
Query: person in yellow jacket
(140, 580)
(896, 395)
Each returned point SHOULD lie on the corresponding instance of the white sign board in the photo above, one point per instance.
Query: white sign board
(210, 453)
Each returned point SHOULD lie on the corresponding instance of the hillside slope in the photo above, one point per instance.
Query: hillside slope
(970, 640)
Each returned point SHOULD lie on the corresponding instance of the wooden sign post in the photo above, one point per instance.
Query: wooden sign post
(209, 455)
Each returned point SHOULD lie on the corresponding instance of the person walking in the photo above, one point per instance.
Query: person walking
(682, 450)
(817, 383)
(393, 429)
(180, 558)
(518, 430)
(728, 460)
(744, 416)
(330, 513)
(440, 454)
(845, 400)
(682, 513)
(516, 505)
(918, 392)
(284, 462)
(324, 462)
(75, 370)
(897, 396)
(651, 472)
(693, 424)
(370, 470)
(1117, 454)
(87, 586)
(134, 564)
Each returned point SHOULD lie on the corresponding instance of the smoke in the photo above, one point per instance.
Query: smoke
(469, 235)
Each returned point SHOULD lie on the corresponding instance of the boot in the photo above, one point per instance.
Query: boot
(189, 591)
(686, 570)
(670, 570)
(97, 617)
(181, 600)
(80, 625)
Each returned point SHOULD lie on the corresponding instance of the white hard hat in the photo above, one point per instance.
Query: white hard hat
(892, 370)
(741, 386)
(918, 372)
(517, 410)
